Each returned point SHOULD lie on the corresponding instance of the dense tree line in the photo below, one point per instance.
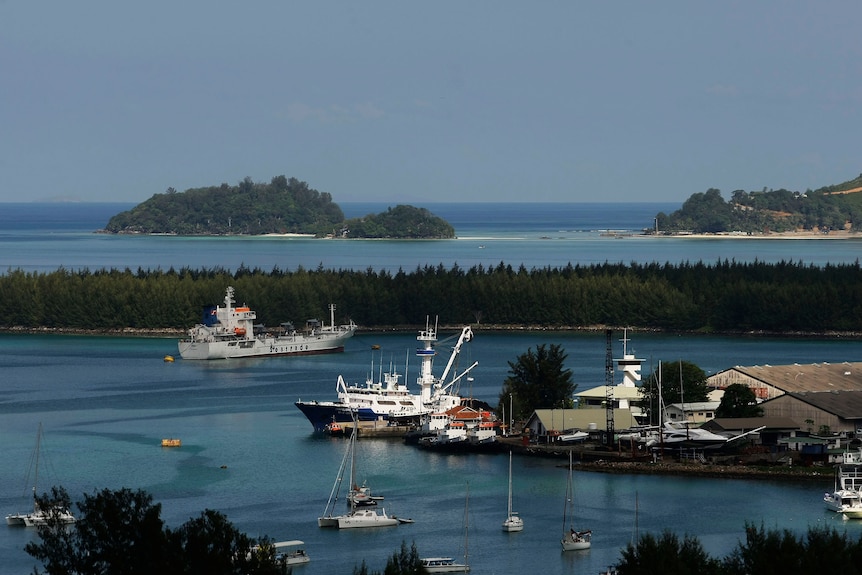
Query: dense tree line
(764, 552)
(768, 211)
(722, 297)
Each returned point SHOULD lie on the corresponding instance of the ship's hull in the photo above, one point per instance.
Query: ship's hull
(261, 347)
(322, 413)
(387, 400)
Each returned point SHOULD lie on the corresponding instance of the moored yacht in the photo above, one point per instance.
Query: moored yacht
(846, 498)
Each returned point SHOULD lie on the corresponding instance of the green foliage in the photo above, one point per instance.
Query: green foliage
(821, 550)
(282, 206)
(723, 297)
(121, 532)
(738, 401)
(58, 550)
(538, 380)
(674, 382)
(667, 555)
(400, 222)
(403, 562)
(773, 552)
(828, 208)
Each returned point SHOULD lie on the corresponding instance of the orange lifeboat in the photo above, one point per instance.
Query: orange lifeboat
(239, 331)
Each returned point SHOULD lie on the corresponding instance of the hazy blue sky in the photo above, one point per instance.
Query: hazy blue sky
(434, 101)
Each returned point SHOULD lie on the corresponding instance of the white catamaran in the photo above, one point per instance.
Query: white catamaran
(356, 518)
(38, 516)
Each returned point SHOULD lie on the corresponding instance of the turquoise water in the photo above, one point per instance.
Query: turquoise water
(44, 237)
(105, 403)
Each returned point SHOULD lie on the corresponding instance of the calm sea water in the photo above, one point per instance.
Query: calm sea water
(247, 451)
(106, 402)
(44, 237)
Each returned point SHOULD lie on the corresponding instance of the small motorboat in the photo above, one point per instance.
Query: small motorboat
(336, 429)
(171, 442)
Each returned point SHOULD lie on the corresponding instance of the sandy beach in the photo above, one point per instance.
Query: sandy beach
(796, 235)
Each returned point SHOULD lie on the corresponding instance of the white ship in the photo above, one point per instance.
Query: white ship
(387, 399)
(230, 331)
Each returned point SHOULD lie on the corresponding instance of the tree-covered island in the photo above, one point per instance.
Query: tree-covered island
(825, 210)
(283, 206)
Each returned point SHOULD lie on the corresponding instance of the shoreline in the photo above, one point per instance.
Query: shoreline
(169, 332)
(783, 473)
(796, 235)
(591, 459)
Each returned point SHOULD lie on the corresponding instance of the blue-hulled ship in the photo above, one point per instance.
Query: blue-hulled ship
(389, 401)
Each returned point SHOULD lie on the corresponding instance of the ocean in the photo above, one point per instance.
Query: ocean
(106, 402)
(45, 237)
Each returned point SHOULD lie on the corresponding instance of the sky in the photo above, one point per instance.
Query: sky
(412, 102)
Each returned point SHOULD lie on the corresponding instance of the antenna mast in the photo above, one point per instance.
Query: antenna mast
(609, 388)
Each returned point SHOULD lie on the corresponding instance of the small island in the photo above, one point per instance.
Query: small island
(285, 206)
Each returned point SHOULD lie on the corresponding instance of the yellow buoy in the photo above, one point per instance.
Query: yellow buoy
(169, 359)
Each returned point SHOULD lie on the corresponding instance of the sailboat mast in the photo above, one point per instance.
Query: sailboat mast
(660, 411)
(511, 415)
(568, 501)
(36, 469)
(682, 399)
(510, 484)
(467, 527)
(352, 443)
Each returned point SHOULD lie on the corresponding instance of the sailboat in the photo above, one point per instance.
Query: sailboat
(573, 540)
(448, 564)
(355, 518)
(38, 516)
(328, 519)
(512, 523)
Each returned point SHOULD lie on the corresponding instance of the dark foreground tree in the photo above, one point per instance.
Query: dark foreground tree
(538, 380)
(121, 533)
(738, 401)
(773, 552)
(58, 549)
(403, 562)
(667, 555)
(673, 382)
(821, 550)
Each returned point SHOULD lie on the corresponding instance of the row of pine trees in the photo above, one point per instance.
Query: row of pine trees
(721, 297)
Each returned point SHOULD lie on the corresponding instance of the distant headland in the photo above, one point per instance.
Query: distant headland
(830, 212)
